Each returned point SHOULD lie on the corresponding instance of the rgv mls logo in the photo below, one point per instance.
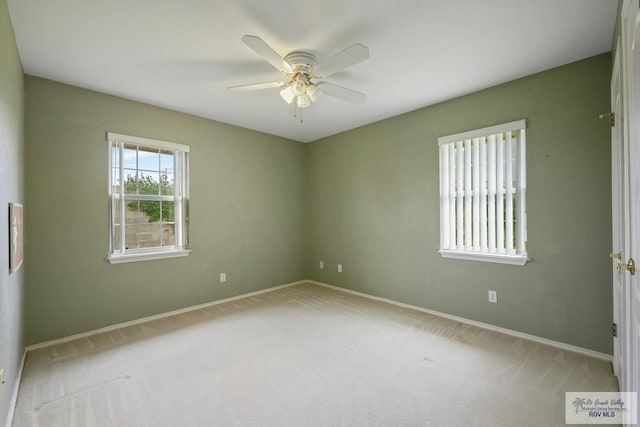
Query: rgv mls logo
(601, 408)
(598, 408)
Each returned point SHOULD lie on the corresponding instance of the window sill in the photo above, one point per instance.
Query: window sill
(147, 256)
(484, 257)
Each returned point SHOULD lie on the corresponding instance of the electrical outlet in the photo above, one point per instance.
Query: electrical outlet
(321, 265)
(493, 296)
(339, 268)
(223, 277)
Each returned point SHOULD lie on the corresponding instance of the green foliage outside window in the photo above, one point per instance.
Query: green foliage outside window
(155, 210)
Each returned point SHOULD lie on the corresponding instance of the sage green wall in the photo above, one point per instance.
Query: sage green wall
(265, 210)
(11, 190)
(374, 208)
(247, 212)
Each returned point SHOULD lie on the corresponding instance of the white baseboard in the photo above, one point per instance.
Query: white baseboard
(534, 338)
(16, 387)
(155, 317)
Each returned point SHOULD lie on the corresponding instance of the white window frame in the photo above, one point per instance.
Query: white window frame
(180, 199)
(473, 161)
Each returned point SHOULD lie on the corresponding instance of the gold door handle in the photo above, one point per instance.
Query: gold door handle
(615, 255)
(630, 266)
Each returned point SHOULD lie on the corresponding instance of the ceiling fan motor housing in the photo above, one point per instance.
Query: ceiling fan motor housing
(301, 61)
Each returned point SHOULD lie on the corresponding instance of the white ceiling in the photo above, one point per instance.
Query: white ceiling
(183, 54)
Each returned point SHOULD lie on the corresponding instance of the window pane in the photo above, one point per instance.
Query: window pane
(167, 184)
(130, 157)
(149, 183)
(168, 214)
(148, 159)
(140, 232)
(168, 235)
(130, 181)
(143, 227)
(166, 162)
(149, 235)
(131, 236)
(149, 211)
(132, 214)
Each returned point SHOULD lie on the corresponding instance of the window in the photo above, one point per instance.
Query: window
(482, 194)
(148, 198)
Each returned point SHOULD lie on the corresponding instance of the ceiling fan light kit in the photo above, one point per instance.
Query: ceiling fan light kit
(304, 72)
(288, 94)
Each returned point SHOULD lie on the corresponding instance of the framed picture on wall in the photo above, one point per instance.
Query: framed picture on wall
(16, 229)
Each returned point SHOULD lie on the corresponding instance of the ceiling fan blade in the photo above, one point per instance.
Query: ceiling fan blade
(348, 57)
(256, 86)
(264, 50)
(343, 93)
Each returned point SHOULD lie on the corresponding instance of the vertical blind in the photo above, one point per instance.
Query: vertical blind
(482, 190)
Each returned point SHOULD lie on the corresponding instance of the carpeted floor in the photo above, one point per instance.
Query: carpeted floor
(303, 356)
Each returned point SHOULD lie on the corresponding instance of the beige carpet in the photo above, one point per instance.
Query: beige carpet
(303, 356)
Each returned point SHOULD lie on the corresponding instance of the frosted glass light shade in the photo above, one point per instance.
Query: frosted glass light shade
(298, 88)
(304, 101)
(288, 94)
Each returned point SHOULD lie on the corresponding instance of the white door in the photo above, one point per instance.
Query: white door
(631, 72)
(618, 190)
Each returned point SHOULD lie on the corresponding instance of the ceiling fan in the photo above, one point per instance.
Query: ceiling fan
(304, 74)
